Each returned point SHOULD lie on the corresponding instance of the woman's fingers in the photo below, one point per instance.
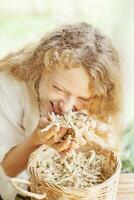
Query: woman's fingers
(46, 135)
(43, 122)
(55, 138)
(66, 152)
(61, 133)
(61, 146)
(74, 145)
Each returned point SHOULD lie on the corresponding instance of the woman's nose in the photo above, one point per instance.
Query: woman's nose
(67, 104)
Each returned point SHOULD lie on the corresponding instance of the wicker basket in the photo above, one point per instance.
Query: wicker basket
(41, 189)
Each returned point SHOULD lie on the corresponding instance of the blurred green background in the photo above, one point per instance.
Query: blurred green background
(23, 21)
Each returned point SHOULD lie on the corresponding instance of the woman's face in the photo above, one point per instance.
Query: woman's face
(64, 89)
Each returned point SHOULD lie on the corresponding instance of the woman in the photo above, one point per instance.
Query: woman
(72, 68)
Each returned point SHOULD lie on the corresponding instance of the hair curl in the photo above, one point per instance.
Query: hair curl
(71, 46)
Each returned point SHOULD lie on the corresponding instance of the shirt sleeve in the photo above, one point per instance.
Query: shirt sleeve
(12, 131)
(11, 110)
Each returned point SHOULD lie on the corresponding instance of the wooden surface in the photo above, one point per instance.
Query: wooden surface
(126, 187)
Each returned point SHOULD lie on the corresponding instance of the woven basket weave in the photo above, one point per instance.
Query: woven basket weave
(42, 189)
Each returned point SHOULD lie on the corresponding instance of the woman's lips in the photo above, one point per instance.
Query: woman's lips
(52, 106)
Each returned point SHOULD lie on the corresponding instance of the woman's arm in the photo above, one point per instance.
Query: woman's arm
(16, 159)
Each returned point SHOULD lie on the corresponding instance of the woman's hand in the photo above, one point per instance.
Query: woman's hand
(52, 137)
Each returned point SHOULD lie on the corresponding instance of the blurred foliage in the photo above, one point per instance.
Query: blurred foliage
(127, 155)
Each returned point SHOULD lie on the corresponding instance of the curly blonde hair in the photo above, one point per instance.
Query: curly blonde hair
(71, 46)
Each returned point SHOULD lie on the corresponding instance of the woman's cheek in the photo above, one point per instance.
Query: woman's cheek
(55, 95)
(82, 106)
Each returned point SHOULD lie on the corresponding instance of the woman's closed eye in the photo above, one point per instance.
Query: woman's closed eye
(86, 100)
(58, 89)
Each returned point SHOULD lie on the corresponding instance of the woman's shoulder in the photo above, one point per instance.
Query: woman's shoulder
(7, 77)
(10, 84)
(11, 92)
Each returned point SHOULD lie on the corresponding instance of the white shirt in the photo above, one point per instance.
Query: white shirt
(18, 117)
